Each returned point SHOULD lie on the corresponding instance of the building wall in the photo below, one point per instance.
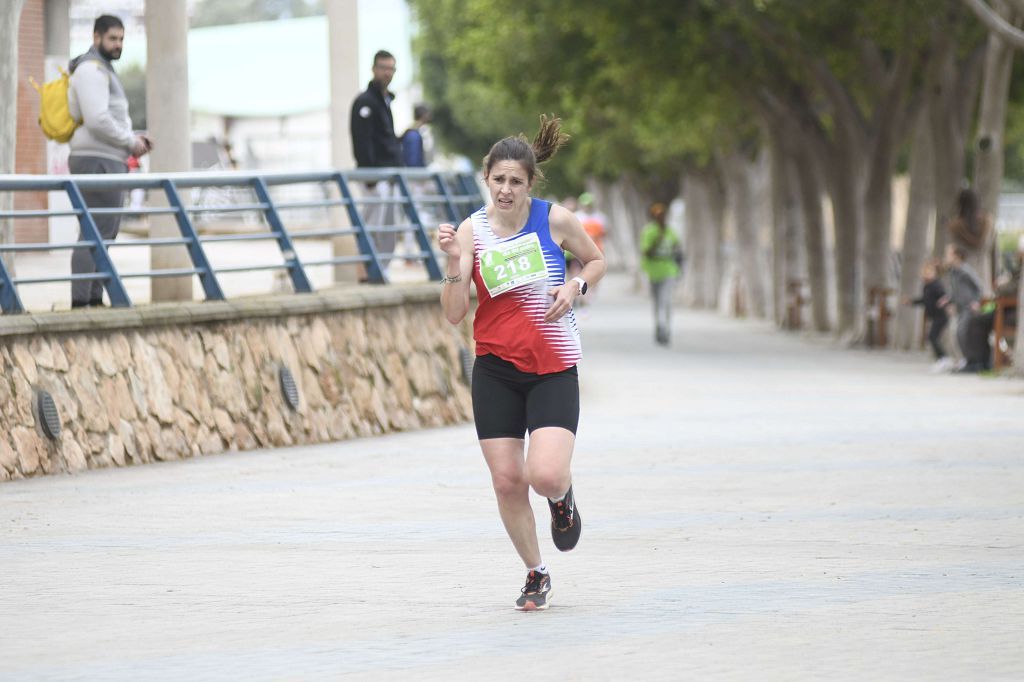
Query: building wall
(30, 150)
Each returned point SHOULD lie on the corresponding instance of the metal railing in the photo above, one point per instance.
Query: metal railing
(456, 193)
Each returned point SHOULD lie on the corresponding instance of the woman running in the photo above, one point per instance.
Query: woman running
(527, 343)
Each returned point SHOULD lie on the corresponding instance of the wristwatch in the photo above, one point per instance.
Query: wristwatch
(582, 284)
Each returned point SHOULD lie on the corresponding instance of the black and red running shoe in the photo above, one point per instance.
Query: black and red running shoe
(566, 523)
(536, 592)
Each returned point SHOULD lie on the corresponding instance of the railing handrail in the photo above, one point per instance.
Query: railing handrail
(27, 182)
(455, 191)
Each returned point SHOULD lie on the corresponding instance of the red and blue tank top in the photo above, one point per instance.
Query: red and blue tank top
(510, 324)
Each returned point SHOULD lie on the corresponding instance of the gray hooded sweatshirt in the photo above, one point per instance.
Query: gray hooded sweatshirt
(965, 287)
(97, 99)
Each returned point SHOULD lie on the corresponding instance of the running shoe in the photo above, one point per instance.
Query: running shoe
(566, 523)
(536, 592)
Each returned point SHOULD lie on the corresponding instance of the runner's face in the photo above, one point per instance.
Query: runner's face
(110, 43)
(509, 185)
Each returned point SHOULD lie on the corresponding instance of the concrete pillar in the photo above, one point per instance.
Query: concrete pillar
(167, 115)
(343, 39)
(58, 29)
(57, 48)
(10, 13)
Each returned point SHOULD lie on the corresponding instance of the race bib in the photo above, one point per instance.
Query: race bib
(512, 264)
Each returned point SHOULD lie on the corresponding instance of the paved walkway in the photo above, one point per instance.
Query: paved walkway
(757, 506)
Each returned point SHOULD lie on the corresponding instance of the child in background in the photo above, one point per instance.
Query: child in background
(933, 298)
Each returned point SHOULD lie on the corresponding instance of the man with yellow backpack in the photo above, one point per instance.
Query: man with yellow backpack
(102, 142)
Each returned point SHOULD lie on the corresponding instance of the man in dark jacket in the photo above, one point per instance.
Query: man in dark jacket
(375, 146)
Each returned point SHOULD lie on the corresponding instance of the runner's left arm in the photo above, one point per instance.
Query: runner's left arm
(568, 232)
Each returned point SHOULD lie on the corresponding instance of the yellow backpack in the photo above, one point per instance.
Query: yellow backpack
(54, 112)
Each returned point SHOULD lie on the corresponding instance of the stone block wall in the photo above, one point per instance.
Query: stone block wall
(171, 381)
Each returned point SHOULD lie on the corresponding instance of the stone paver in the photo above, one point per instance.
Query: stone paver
(757, 505)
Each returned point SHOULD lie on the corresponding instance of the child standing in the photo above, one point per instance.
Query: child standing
(933, 298)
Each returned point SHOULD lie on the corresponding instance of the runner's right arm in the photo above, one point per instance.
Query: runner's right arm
(458, 244)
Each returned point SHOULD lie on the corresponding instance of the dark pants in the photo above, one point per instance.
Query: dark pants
(376, 215)
(90, 292)
(978, 351)
(935, 329)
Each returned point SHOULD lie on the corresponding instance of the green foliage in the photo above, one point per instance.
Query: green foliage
(224, 12)
(647, 86)
(622, 76)
(133, 79)
(1013, 141)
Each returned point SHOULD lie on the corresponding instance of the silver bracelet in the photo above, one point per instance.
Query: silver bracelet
(452, 280)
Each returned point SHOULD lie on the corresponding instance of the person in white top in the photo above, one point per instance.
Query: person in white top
(103, 143)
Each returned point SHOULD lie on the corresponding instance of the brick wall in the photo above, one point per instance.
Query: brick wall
(30, 152)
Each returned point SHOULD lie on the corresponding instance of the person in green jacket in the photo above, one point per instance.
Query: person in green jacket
(661, 258)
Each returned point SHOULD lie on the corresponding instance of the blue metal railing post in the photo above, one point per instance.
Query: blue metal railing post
(468, 187)
(449, 205)
(206, 277)
(374, 271)
(298, 274)
(433, 269)
(112, 282)
(9, 300)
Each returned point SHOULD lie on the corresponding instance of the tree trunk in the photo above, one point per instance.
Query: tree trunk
(702, 273)
(848, 219)
(693, 294)
(988, 147)
(625, 223)
(915, 236)
(786, 229)
(951, 97)
(636, 203)
(878, 211)
(717, 247)
(10, 12)
(795, 239)
(814, 238)
(741, 175)
(620, 250)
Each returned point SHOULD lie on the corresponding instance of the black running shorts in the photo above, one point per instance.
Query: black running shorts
(507, 402)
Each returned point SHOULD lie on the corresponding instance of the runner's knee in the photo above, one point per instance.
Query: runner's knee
(549, 481)
(509, 482)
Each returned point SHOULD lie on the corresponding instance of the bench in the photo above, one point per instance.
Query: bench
(1004, 334)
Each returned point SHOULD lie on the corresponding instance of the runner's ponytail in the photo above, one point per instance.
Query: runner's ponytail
(549, 138)
(518, 148)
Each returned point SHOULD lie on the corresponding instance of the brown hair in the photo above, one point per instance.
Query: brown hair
(518, 148)
(971, 225)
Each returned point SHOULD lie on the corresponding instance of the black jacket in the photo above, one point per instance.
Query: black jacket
(373, 130)
(933, 291)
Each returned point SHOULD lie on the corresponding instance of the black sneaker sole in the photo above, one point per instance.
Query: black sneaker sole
(566, 539)
(530, 606)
